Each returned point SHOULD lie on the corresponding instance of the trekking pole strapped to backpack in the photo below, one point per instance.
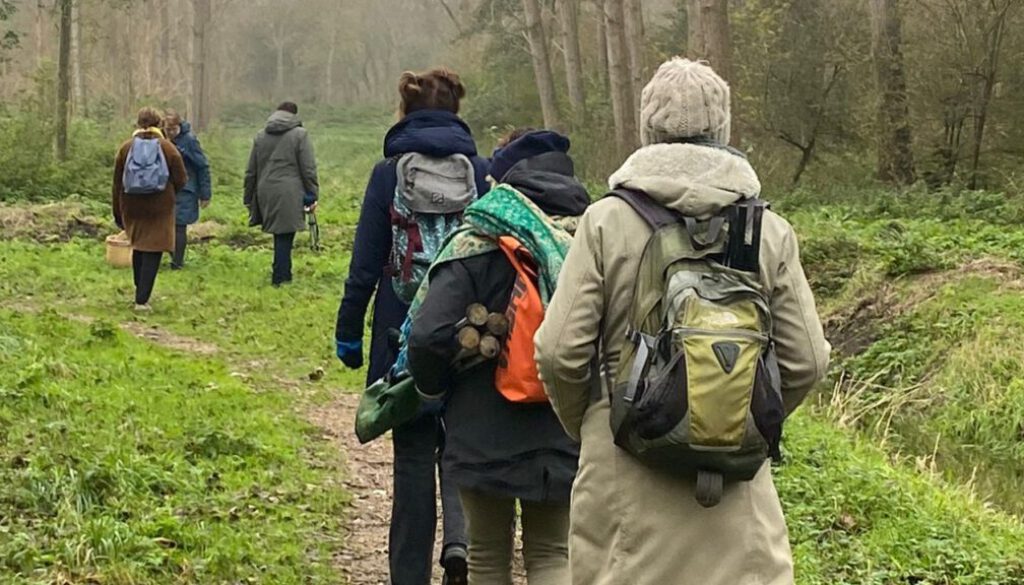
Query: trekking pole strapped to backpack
(698, 391)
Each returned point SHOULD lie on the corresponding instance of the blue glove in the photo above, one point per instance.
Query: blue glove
(350, 353)
(308, 200)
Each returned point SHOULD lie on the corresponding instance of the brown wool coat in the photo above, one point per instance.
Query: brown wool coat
(149, 219)
(631, 525)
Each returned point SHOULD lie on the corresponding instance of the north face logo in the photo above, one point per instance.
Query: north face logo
(437, 198)
(728, 353)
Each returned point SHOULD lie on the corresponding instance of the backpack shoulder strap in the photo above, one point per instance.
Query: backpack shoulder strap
(656, 216)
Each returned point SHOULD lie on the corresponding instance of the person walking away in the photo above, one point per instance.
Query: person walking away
(504, 445)
(280, 182)
(429, 135)
(708, 337)
(197, 192)
(148, 171)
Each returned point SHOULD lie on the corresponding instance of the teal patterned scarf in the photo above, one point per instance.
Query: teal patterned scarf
(501, 212)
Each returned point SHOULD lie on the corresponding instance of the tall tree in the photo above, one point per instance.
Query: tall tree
(200, 91)
(569, 11)
(541, 63)
(602, 46)
(895, 156)
(709, 35)
(710, 39)
(636, 41)
(993, 32)
(64, 80)
(626, 135)
(79, 101)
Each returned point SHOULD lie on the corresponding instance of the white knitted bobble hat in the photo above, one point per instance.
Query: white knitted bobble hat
(685, 99)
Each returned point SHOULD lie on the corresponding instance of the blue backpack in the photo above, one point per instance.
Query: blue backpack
(145, 169)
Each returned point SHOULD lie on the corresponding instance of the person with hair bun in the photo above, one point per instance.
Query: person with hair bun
(147, 214)
(429, 126)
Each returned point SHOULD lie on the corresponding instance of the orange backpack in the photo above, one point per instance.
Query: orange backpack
(517, 378)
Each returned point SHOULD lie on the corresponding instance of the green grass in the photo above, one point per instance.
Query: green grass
(125, 463)
(135, 464)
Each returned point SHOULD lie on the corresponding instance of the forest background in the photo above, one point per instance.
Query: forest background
(889, 132)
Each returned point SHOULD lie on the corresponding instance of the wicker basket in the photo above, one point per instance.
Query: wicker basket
(119, 251)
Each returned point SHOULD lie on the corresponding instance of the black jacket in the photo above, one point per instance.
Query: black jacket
(493, 445)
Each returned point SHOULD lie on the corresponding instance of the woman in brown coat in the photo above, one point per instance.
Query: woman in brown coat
(148, 219)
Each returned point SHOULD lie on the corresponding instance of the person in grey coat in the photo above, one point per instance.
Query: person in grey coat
(280, 183)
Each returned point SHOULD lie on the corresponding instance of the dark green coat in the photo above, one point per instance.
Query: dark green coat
(282, 169)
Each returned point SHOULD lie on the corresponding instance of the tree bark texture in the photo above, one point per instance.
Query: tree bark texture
(602, 45)
(636, 41)
(895, 156)
(569, 12)
(64, 80)
(626, 135)
(710, 40)
(200, 21)
(79, 101)
(541, 63)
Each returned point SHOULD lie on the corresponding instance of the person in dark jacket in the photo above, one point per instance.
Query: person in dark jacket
(280, 183)
(497, 451)
(429, 125)
(197, 192)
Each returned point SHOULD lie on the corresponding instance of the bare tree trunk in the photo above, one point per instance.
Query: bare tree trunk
(79, 102)
(541, 63)
(602, 45)
(895, 157)
(626, 135)
(635, 39)
(40, 30)
(64, 80)
(989, 74)
(166, 25)
(200, 20)
(569, 10)
(710, 40)
(128, 59)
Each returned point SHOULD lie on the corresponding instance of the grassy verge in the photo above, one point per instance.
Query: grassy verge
(125, 463)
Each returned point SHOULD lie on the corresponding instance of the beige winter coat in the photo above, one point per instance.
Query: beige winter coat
(631, 525)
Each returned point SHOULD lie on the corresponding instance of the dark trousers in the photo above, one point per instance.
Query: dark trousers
(180, 243)
(414, 509)
(145, 265)
(283, 244)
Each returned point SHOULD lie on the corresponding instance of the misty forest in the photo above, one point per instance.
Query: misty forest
(208, 438)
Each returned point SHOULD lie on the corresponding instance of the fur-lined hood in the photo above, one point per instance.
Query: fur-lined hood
(695, 180)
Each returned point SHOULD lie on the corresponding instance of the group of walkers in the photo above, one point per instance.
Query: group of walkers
(648, 345)
(162, 180)
(654, 342)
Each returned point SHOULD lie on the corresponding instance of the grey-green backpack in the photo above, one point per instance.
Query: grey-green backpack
(697, 393)
(430, 196)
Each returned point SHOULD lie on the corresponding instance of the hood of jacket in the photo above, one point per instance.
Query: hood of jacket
(437, 133)
(549, 180)
(281, 121)
(695, 180)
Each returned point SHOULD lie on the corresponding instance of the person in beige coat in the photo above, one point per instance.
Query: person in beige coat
(630, 524)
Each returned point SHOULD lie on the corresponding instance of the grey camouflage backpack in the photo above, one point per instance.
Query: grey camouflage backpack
(430, 197)
(698, 392)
